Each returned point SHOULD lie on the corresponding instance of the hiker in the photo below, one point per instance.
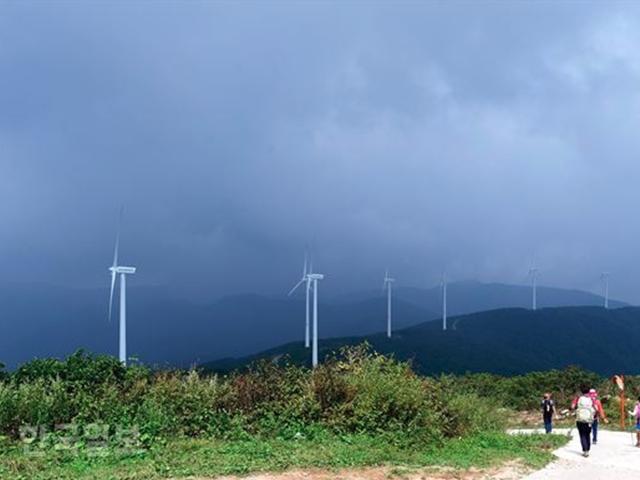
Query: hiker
(636, 414)
(585, 413)
(548, 409)
(597, 405)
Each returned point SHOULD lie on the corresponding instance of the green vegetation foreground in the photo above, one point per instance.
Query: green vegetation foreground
(90, 417)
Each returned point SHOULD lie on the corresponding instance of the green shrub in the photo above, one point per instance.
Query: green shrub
(467, 414)
(377, 394)
(185, 404)
(38, 369)
(42, 403)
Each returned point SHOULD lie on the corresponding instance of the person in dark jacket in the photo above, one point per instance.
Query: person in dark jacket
(548, 409)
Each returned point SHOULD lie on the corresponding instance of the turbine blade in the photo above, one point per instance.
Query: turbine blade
(113, 286)
(304, 270)
(115, 261)
(296, 287)
(117, 247)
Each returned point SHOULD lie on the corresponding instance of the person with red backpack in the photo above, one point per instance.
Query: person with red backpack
(585, 413)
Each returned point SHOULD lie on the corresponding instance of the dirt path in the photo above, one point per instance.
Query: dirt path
(615, 457)
(510, 471)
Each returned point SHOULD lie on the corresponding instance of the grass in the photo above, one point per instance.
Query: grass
(208, 457)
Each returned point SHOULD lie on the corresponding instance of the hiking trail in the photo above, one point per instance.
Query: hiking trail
(614, 457)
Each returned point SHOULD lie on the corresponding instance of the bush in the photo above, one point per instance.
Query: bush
(184, 404)
(81, 369)
(376, 394)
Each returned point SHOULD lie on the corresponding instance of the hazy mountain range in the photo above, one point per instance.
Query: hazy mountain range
(40, 320)
(470, 296)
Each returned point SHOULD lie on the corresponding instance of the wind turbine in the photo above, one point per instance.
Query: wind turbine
(387, 285)
(533, 273)
(116, 270)
(444, 302)
(305, 279)
(605, 279)
(314, 277)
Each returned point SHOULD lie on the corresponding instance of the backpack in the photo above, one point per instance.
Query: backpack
(585, 411)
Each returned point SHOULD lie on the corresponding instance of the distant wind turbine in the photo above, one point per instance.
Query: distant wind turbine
(444, 302)
(605, 280)
(388, 281)
(305, 279)
(533, 273)
(116, 270)
(314, 277)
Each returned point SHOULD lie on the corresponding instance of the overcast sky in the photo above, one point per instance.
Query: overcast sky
(418, 136)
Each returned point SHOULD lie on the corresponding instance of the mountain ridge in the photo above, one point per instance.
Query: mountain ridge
(504, 341)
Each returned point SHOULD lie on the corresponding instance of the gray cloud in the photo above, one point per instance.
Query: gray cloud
(420, 136)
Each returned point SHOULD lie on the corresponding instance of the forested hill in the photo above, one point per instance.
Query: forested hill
(505, 341)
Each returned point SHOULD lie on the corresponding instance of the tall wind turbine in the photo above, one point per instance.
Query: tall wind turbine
(314, 277)
(533, 273)
(116, 270)
(444, 302)
(388, 281)
(305, 279)
(605, 280)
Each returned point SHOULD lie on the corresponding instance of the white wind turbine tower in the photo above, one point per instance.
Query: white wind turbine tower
(314, 277)
(533, 273)
(605, 280)
(116, 270)
(444, 302)
(388, 281)
(305, 279)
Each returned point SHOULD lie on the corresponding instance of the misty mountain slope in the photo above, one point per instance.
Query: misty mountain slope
(505, 341)
(43, 321)
(470, 296)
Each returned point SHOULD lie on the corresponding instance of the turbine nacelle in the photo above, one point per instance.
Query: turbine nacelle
(315, 276)
(123, 270)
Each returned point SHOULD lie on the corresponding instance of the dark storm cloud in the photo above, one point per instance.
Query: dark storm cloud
(421, 136)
